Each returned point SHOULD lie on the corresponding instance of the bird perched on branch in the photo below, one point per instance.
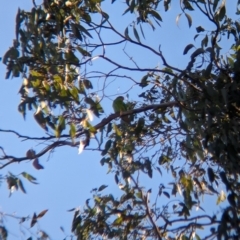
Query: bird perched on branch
(120, 106)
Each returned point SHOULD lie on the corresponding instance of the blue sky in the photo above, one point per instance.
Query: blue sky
(67, 179)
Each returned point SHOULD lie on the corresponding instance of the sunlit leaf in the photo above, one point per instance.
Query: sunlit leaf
(118, 221)
(178, 18)
(82, 144)
(221, 197)
(89, 114)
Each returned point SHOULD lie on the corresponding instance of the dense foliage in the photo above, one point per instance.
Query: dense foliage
(182, 123)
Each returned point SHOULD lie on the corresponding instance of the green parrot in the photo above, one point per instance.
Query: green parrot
(120, 106)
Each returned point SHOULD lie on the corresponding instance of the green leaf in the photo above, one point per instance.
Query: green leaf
(163, 159)
(104, 160)
(72, 130)
(211, 174)
(116, 178)
(102, 187)
(42, 213)
(109, 128)
(200, 29)
(166, 4)
(3, 233)
(142, 31)
(205, 41)
(89, 101)
(144, 81)
(18, 23)
(34, 220)
(150, 23)
(224, 179)
(197, 237)
(83, 52)
(221, 13)
(117, 130)
(197, 52)
(39, 117)
(166, 194)
(11, 54)
(60, 126)
(148, 168)
(136, 34)
(139, 194)
(127, 10)
(225, 95)
(87, 84)
(184, 237)
(74, 93)
(189, 18)
(208, 70)
(108, 145)
(178, 17)
(71, 58)
(187, 48)
(84, 30)
(76, 31)
(22, 109)
(140, 126)
(215, 3)
(118, 221)
(188, 6)
(155, 15)
(105, 15)
(195, 37)
(20, 184)
(231, 199)
(29, 177)
(61, 122)
(132, 6)
(81, 88)
(76, 221)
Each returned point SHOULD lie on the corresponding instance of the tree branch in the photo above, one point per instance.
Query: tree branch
(98, 126)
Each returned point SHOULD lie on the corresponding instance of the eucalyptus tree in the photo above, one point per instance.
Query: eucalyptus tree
(178, 122)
